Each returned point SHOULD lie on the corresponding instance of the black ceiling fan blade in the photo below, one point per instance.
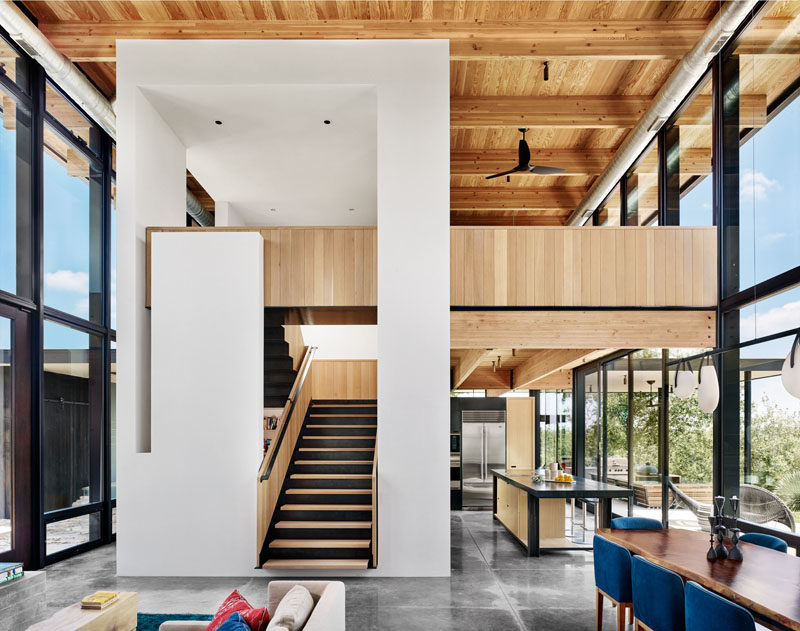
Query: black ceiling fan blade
(491, 177)
(540, 170)
(524, 152)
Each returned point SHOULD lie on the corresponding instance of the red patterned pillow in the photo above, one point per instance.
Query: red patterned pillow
(257, 619)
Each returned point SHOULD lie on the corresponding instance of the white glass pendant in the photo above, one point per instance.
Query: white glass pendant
(708, 388)
(790, 374)
(684, 381)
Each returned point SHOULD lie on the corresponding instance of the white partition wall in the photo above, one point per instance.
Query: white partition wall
(411, 83)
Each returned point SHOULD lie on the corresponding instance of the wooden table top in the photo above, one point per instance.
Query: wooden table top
(766, 582)
(581, 487)
(118, 616)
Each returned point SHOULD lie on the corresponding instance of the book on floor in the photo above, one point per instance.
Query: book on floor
(99, 600)
(10, 571)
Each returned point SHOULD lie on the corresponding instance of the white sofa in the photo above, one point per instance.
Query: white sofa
(328, 613)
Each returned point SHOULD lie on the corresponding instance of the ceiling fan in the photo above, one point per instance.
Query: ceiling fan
(524, 165)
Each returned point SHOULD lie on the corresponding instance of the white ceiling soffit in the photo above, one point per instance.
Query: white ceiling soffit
(274, 150)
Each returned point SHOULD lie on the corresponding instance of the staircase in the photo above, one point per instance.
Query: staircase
(324, 515)
(279, 374)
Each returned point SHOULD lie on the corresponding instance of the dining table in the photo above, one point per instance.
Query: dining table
(766, 582)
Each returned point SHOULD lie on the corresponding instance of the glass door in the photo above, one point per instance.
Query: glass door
(15, 509)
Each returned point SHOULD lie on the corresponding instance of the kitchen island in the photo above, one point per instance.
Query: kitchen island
(535, 514)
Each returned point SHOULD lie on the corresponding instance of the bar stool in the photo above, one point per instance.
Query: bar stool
(706, 611)
(635, 523)
(657, 597)
(765, 541)
(583, 517)
(612, 578)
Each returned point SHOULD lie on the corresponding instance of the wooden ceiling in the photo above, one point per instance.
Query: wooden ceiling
(606, 60)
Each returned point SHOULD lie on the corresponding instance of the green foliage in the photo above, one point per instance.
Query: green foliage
(789, 491)
(775, 445)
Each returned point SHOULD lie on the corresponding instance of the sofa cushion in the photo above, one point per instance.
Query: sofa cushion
(235, 623)
(293, 610)
(256, 619)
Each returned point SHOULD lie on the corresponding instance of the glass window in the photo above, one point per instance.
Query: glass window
(615, 411)
(61, 535)
(6, 436)
(15, 206)
(609, 213)
(112, 404)
(688, 155)
(592, 429)
(642, 190)
(72, 230)
(72, 441)
(13, 66)
(113, 255)
(769, 156)
(770, 438)
(775, 314)
(555, 428)
(66, 114)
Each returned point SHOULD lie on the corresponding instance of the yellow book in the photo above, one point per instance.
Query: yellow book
(98, 600)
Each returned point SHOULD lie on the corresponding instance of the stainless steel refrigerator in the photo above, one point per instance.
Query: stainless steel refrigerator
(483, 448)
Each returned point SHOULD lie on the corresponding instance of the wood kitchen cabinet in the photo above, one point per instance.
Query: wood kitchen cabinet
(519, 433)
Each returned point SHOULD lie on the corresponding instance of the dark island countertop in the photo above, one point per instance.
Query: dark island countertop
(521, 478)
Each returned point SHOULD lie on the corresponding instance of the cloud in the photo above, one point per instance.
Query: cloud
(773, 237)
(775, 320)
(756, 185)
(67, 280)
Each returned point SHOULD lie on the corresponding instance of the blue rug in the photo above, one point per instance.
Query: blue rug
(151, 621)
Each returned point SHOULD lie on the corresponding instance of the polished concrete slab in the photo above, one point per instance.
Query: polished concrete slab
(492, 587)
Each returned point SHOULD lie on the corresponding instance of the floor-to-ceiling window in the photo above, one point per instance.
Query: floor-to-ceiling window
(555, 428)
(56, 324)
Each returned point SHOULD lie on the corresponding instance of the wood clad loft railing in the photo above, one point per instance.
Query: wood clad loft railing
(276, 460)
(583, 267)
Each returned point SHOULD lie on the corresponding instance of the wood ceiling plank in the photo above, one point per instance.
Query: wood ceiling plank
(574, 161)
(466, 363)
(501, 218)
(483, 198)
(484, 378)
(545, 362)
(639, 328)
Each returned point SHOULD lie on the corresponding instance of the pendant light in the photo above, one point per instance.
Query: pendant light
(708, 387)
(790, 373)
(684, 381)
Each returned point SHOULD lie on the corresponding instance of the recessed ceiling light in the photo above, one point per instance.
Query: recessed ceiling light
(351, 210)
(326, 121)
(273, 210)
(218, 122)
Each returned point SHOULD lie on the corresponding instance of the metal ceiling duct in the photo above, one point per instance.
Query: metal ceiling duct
(64, 73)
(688, 72)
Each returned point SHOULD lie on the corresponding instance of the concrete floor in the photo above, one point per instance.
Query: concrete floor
(492, 587)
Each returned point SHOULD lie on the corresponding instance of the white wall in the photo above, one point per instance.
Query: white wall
(342, 341)
(226, 215)
(412, 82)
(189, 505)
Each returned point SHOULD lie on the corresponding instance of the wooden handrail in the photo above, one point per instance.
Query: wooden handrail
(268, 461)
(375, 508)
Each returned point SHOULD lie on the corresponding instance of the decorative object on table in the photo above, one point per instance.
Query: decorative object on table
(99, 600)
(720, 550)
(708, 386)
(10, 571)
(564, 478)
(537, 478)
(684, 381)
(735, 553)
(790, 373)
(711, 555)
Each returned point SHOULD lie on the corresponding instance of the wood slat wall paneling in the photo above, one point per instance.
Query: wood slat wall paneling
(583, 267)
(345, 379)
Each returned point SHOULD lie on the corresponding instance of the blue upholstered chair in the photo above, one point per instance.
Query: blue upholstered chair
(634, 523)
(612, 579)
(706, 611)
(765, 541)
(657, 597)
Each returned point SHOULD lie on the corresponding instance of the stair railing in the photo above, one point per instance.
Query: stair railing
(375, 508)
(276, 460)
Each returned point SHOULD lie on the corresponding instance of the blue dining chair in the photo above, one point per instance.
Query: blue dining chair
(634, 523)
(765, 541)
(612, 579)
(657, 597)
(706, 611)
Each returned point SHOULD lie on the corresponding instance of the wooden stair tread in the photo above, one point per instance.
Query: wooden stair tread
(296, 491)
(307, 437)
(337, 449)
(323, 524)
(319, 543)
(316, 564)
(328, 507)
(341, 427)
(342, 416)
(326, 462)
(331, 476)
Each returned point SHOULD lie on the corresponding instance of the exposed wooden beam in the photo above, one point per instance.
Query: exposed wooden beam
(574, 161)
(548, 361)
(486, 198)
(466, 362)
(473, 39)
(516, 218)
(484, 377)
(583, 111)
(636, 328)
(559, 380)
